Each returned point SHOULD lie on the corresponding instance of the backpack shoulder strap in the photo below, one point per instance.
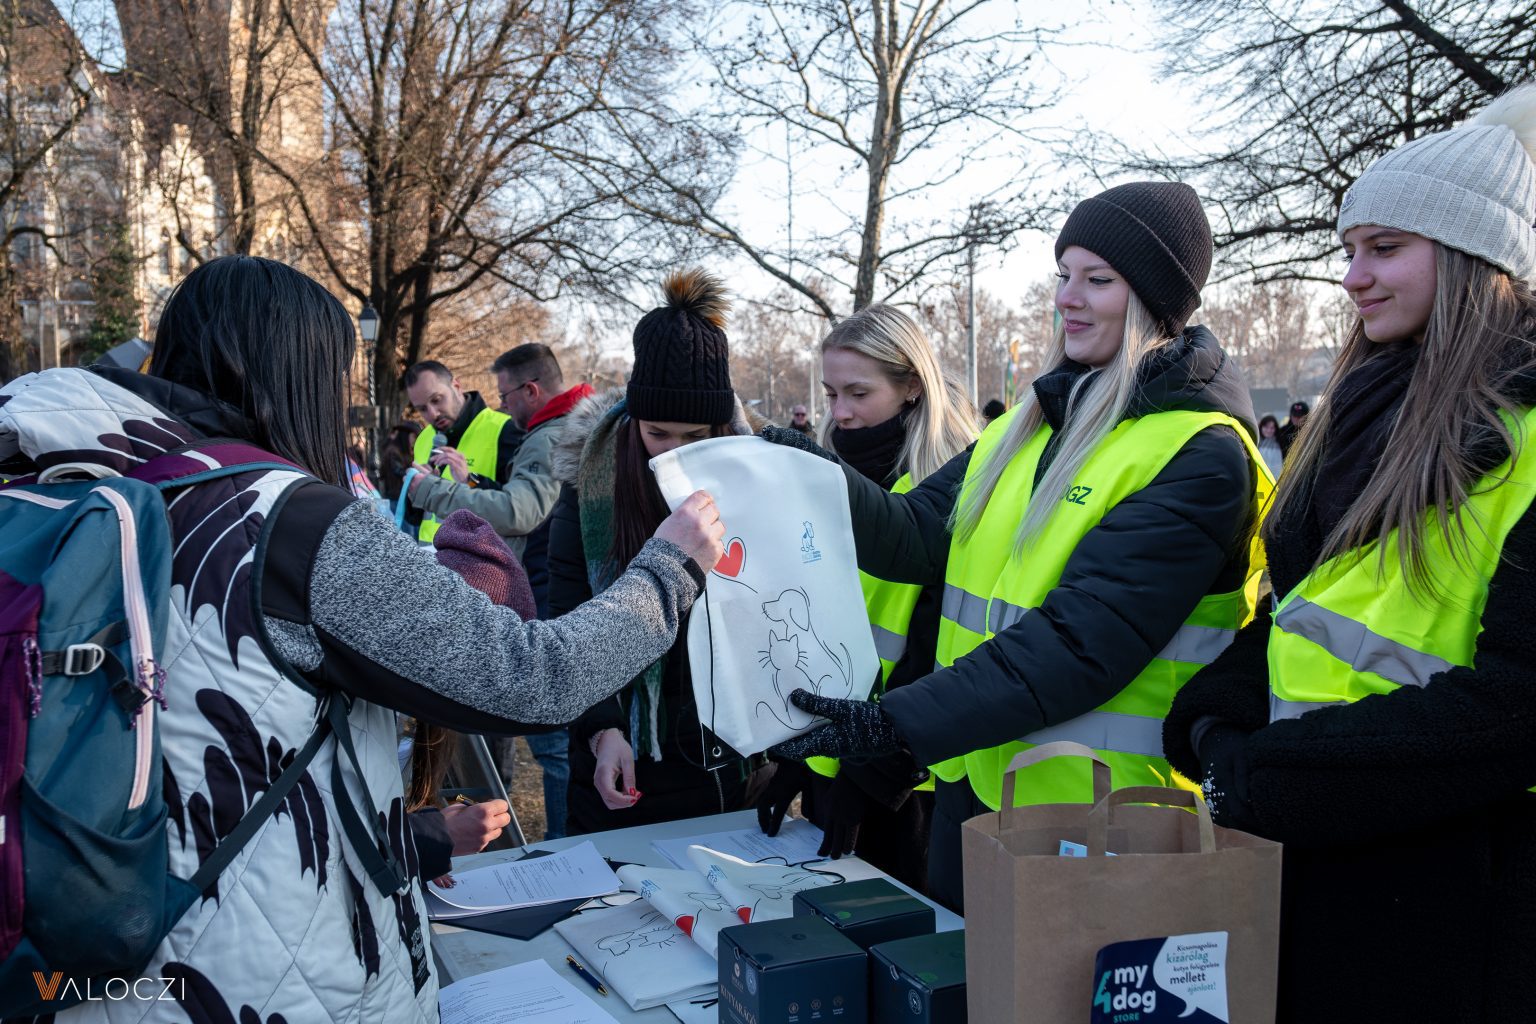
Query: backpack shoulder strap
(206, 460)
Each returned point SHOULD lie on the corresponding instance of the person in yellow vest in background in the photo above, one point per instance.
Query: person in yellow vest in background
(464, 440)
(1381, 723)
(534, 402)
(1093, 545)
(893, 416)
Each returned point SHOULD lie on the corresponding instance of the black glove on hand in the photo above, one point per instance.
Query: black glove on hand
(792, 438)
(1223, 752)
(858, 728)
(842, 813)
(789, 778)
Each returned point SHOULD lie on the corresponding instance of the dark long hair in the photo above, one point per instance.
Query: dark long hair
(271, 342)
(638, 507)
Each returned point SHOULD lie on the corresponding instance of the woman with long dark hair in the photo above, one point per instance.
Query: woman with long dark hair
(642, 756)
(291, 600)
(1269, 444)
(1381, 722)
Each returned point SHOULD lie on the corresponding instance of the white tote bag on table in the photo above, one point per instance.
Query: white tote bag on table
(783, 610)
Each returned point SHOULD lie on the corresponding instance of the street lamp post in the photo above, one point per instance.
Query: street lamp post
(368, 327)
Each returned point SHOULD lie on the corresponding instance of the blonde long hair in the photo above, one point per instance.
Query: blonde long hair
(943, 420)
(1098, 402)
(1479, 337)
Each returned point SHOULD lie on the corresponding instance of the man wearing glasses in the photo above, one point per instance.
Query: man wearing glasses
(534, 396)
(464, 440)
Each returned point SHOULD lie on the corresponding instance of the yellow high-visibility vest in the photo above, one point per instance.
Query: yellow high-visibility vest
(1352, 627)
(889, 606)
(989, 587)
(479, 446)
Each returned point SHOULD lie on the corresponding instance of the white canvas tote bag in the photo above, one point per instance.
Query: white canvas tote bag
(783, 610)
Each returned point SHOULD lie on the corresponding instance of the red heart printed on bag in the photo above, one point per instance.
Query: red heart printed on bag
(733, 560)
(686, 924)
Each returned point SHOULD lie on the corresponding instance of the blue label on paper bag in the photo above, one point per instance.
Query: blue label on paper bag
(1178, 978)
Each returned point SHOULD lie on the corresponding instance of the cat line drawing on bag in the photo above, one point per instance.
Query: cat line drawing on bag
(786, 661)
(799, 659)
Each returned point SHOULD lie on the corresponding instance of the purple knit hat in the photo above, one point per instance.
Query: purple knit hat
(467, 545)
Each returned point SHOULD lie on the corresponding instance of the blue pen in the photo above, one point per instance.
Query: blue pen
(586, 976)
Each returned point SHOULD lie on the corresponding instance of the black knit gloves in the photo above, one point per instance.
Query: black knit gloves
(856, 728)
(841, 814)
(1223, 752)
(789, 778)
(795, 439)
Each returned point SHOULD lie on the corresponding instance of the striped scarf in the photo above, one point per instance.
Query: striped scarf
(642, 697)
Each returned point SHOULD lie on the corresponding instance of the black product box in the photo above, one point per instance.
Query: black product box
(920, 980)
(796, 970)
(867, 912)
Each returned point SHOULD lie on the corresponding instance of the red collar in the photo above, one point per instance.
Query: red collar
(560, 405)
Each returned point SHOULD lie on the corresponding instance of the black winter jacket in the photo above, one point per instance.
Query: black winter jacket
(1126, 590)
(1410, 839)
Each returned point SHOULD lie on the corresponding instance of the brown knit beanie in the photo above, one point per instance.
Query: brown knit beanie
(467, 545)
(682, 368)
(1155, 235)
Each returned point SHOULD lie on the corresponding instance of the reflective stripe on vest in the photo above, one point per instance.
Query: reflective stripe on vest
(1353, 627)
(1107, 730)
(888, 645)
(479, 445)
(890, 608)
(989, 588)
(966, 609)
(1356, 645)
(1198, 645)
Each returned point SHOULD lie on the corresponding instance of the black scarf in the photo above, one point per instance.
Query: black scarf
(874, 451)
(1363, 409)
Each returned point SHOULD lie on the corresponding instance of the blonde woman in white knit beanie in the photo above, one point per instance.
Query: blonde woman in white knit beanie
(1382, 723)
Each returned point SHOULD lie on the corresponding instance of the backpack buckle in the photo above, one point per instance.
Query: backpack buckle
(83, 659)
(129, 697)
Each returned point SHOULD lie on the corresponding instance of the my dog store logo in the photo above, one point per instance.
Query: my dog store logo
(55, 986)
(1129, 993)
(1177, 978)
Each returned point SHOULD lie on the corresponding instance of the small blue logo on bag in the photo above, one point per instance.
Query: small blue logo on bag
(808, 550)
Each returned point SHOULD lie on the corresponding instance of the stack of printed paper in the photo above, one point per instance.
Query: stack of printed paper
(577, 873)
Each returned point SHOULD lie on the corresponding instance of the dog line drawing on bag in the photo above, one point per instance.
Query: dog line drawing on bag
(655, 932)
(800, 659)
(785, 888)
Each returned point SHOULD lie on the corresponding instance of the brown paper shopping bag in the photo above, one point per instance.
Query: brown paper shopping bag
(1036, 921)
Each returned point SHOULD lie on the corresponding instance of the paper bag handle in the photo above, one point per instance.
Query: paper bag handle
(1044, 752)
(1099, 818)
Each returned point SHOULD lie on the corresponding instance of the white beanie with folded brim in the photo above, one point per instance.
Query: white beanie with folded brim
(1472, 188)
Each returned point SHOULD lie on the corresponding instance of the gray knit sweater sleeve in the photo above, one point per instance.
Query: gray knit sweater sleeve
(378, 594)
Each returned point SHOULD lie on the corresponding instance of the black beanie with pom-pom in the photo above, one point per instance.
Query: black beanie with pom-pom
(682, 368)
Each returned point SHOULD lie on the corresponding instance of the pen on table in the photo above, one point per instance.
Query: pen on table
(586, 976)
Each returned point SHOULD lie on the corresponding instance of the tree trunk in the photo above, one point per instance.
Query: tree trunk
(881, 154)
(13, 345)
